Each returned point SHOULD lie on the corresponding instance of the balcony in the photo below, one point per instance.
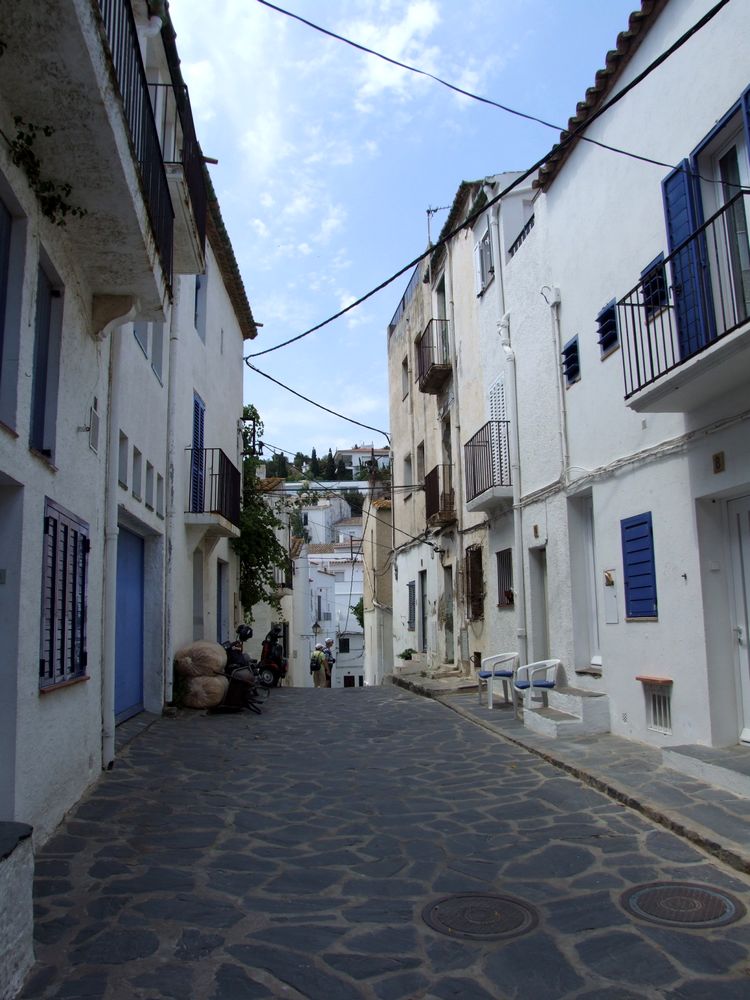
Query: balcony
(78, 70)
(487, 462)
(440, 498)
(213, 493)
(687, 343)
(433, 357)
(183, 163)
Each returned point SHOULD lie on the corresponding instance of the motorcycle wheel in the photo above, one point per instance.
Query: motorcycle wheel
(267, 677)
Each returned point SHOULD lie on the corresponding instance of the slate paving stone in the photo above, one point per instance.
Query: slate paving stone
(233, 983)
(293, 882)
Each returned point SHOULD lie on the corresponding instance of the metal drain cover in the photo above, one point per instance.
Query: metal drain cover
(682, 903)
(480, 916)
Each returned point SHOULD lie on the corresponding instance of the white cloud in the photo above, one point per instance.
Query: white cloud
(260, 228)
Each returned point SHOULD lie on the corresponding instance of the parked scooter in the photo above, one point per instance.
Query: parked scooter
(245, 689)
(273, 664)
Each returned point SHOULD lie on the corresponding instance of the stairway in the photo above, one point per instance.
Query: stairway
(569, 712)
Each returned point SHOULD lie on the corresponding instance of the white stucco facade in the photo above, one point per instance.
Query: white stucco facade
(618, 540)
(101, 361)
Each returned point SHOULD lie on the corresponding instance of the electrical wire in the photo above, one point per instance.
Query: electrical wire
(566, 139)
(456, 89)
(312, 402)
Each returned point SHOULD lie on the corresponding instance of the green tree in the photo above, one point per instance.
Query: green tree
(314, 464)
(301, 460)
(355, 499)
(342, 473)
(358, 610)
(328, 470)
(278, 466)
(258, 548)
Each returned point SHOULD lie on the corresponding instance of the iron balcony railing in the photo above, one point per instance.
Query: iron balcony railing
(440, 499)
(433, 356)
(213, 485)
(487, 459)
(179, 144)
(131, 78)
(683, 305)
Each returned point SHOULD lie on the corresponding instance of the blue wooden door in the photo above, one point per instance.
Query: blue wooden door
(690, 287)
(129, 626)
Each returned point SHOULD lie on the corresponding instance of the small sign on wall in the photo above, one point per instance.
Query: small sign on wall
(611, 615)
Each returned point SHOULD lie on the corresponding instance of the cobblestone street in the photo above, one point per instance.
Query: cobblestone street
(296, 854)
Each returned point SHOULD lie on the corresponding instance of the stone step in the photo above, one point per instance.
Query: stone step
(724, 767)
(591, 707)
(551, 721)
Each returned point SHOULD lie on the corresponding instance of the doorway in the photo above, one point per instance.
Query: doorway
(539, 604)
(129, 626)
(423, 610)
(739, 529)
(450, 642)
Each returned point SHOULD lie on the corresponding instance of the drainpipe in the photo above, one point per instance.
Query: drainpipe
(454, 363)
(111, 531)
(515, 465)
(169, 513)
(552, 297)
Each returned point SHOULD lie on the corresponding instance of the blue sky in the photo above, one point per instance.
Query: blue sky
(329, 159)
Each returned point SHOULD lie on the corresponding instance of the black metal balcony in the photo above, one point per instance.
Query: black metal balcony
(487, 463)
(440, 498)
(183, 160)
(433, 357)
(213, 484)
(131, 79)
(681, 309)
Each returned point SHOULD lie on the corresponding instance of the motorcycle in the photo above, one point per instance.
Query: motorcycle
(245, 687)
(273, 665)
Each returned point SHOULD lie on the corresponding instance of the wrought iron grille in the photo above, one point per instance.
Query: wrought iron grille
(487, 458)
(440, 501)
(131, 78)
(708, 297)
(433, 351)
(214, 484)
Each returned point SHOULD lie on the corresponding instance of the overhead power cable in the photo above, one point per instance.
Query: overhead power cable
(312, 402)
(566, 139)
(454, 87)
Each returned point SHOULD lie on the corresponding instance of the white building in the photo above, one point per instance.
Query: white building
(590, 504)
(358, 460)
(119, 478)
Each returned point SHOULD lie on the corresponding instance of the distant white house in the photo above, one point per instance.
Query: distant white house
(360, 458)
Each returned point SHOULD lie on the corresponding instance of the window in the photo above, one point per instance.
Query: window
(411, 622)
(344, 644)
(198, 458)
(122, 460)
(639, 567)
(404, 378)
(420, 462)
(48, 333)
(157, 349)
(571, 362)
(474, 583)
(606, 328)
(654, 286)
(140, 331)
(199, 311)
(408, 473)
(137, 473)
(505, 578)
(149, 486)
(483, 265)
(62, 654)
(159, 495)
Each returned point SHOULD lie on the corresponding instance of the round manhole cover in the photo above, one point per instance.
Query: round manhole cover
(480, 916)
(682, 903)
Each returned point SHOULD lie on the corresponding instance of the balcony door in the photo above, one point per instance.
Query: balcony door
(690, 282)
(198, 460)
(739, 526)
(731, 174)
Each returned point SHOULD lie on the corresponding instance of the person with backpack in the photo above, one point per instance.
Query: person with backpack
(330, 660)
(318, 666)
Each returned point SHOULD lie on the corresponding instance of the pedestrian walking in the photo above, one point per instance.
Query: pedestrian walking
(330, 660)
(318, 665)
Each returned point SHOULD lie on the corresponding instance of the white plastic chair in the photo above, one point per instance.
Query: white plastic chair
(538, 676)
(502, 666)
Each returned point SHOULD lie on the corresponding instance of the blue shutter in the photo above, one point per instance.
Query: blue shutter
(639, 569)
(198, 462)
(689, 274)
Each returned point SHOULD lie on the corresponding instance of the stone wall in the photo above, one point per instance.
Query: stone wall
(16, 907)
